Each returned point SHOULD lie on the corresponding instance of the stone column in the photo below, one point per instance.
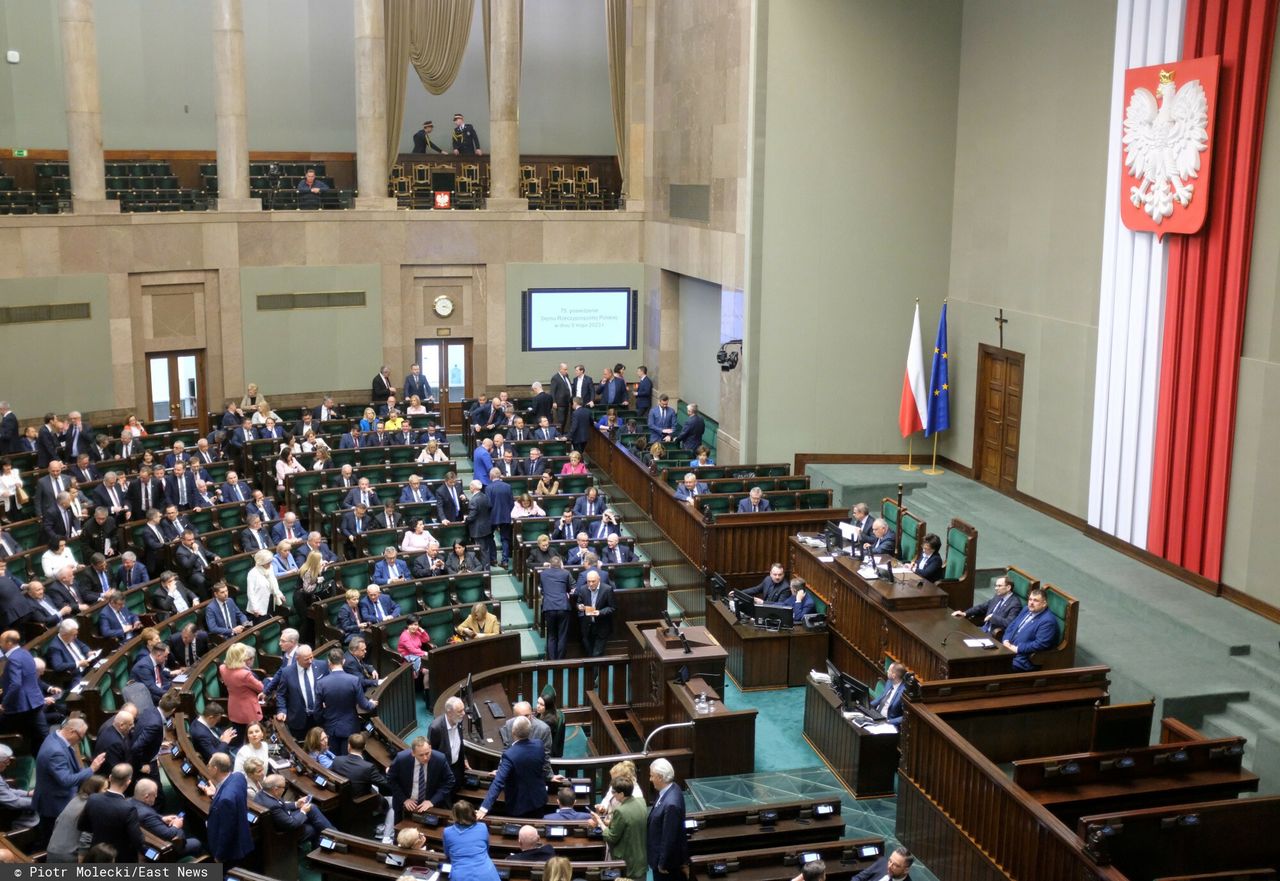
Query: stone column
(504, 107)
(230, 108)
(371, 107)
(84, 109)
(638, 132)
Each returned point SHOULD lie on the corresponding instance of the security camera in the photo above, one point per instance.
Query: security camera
(726, 359)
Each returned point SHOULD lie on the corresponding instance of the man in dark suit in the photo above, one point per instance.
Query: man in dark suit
(222, 617)
(801, 603)
(340, 694)
(882, 540)
(566, 528)
(890, 703)
(144, 494)
(60, 522)
(690, 487)
(421, 779)
(187, 646)
(556, 586)
(690, 435)
(206, 735)
(353, 662)
(774, 588)
(48, 447)
(13, 602)
(501, 500)
(116, 620)
(23, 700)
(9, 434)
(532, 848)
(65, 590)
(614, 551)
(595, 605)
(101, 534)
(928, 563)
(480, 522)
(996, 613)
(754, 503)
(167, 827)
(233, 490)
(421, 144)
(644, 391)
(561, 394)
(521, 776)
(58, 772)
(1033, 631)
(667, 845)
(49, 487)
(291, 814)
(581, 386)
(111, 496)
(579, 425)
(154, 544)
(381, 387)
(66, 654)
(9, 546)
(509, 465)
(613, 390)
(148, 738)
(83, 470)
(115, 736)
(131, 572)
(230, 840)
(180, 487)
(416, 384)
(363, 776)
(354, 523)
(589, 504)
(465, 140)
(446, 737)
(262, 506)
(253, 537)
(150, 671)
(193, 560)
(450, 500)
(76, 437)
(896, 867)
(112, 819)
(536, 465)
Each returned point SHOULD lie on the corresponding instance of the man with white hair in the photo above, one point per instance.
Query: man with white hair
(667, 846)
(16, 800)
(882, 539)
(446, 737)
(169, 826)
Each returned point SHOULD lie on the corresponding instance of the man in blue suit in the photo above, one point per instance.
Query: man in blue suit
(895, 866)
(390, 568)
(501, 501)
(235, 491)
(297, 687)
(375, 606)
(421, 779)
(662, 421)
(690, 487)
(801, 603)
(644, 391)
(615, 552)
(1033, 631)
(890, 703)
(67, 654)
(668, 849)
(23, 698)
(150, 670)
(754, 503)
(223, 617)
(262, 506)
(169, 828)
(291, 814)
(449, 499)
(521, 776)
(58, 773)
(556, 585)
(482, 460)
(362, 494)
(131, 572)
(580, 426)
(882, 540)
(290, 530)
(230, 840)
(996, 613)
(116, 621)
(691, 435)
(340, 695)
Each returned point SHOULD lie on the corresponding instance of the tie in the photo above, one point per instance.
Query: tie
(102, 577)
(146, 497)
(617, 555)
(364, 499)
(66, 520)
(454, 493)
(308, 696)
(75, 439)
(159, 683)
(888, 698)
(226, 616)
(422, 782)
(1018, 629)
(200, 563)
(120, 617)
(191, 653)
(57, 484)
(75, 651)
(358, 524)
(182, 492)
(755, 509)
(377, 607)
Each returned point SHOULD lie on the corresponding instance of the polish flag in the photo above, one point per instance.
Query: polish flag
(911, 412)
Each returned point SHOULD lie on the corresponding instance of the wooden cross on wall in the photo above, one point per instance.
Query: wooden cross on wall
(1001, 321)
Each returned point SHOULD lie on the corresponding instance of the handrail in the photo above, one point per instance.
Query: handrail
(644, 750)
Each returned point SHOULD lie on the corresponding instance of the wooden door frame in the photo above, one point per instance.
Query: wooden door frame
(979, 408)
(202, 381)
(445, 399)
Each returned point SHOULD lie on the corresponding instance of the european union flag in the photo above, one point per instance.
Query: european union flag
(939, 385)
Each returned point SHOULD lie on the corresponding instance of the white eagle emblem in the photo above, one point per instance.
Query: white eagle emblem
(1162, 145)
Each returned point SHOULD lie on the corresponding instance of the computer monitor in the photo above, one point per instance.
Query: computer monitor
(775, 615)
(742, 603)
(854, 692)
(833, 673)
(465, 691)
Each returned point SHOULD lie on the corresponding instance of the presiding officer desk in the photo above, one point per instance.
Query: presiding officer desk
(761, 658)
(907, 619)
(866, 762)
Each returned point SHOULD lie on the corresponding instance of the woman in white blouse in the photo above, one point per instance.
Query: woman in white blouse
(432, 453)
(10, 482)
(57, 558)
(415, 407)
(255, 746)
(416, 539)
(255, 771)
(262, 587)
(287, 464)
(323, 458)
(263, 413)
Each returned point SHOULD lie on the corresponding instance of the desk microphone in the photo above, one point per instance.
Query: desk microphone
(950, 634)
(688, 649)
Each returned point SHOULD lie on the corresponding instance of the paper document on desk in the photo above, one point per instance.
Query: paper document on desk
(825, 558)
(880, 728)
(847, 531)
(901, 570)
(978, 643)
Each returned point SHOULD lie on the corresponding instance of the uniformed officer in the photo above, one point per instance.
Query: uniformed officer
(422, 139)
(465, 140)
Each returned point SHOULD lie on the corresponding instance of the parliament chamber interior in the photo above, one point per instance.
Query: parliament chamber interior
(556, 502)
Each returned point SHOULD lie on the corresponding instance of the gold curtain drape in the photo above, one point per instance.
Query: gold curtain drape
(432, 36)
(486, 13)
(615, 25)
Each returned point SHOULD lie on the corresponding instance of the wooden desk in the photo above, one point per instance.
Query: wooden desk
(865, 762)
(869, 621)
(761, 658)
(723, 741)
(653, 665)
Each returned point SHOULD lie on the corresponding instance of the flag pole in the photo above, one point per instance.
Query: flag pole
(909, 466)
(934, 469)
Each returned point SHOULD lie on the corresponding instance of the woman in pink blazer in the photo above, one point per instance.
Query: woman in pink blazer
(243, 688)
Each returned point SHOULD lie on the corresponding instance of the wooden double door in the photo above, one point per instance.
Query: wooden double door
(998, 420)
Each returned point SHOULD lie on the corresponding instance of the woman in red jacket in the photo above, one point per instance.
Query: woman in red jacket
(243, 688)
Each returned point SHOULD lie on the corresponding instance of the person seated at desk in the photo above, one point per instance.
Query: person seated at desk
(928, 563)
(702, 457)
(309, 190)
(895, 867)
(479, 623)
(376, 608)
(882, 540)
(566, 811)
(801, 603)
(116, 621)
(462, 560)
(774, 588)
(890, 703)
(1032, 631)
(755, 503)
(389, 570)
(532, 848)
(616, 552)
(996, 613)
(690, 488)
